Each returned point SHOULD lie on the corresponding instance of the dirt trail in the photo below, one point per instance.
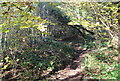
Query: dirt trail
(73, 71)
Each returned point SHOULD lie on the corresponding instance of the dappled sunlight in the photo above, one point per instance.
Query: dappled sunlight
(42, 41)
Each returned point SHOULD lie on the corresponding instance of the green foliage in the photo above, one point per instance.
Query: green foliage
(101, 65)
(18, 22)
(101, 18)
(27, 54)
(20, 17)
(44, 57)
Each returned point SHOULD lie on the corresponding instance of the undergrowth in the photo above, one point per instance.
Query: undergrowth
(31, 62)
(102, 64)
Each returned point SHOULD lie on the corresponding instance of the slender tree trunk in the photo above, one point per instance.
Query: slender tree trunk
(1, 52)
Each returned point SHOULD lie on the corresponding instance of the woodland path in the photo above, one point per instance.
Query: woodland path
(73, 71)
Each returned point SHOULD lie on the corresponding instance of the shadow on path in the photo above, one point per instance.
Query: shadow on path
(72, 70)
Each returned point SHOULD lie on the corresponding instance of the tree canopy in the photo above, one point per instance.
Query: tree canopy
(43, 40)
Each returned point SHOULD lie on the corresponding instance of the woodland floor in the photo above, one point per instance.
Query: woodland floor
(73, 71)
